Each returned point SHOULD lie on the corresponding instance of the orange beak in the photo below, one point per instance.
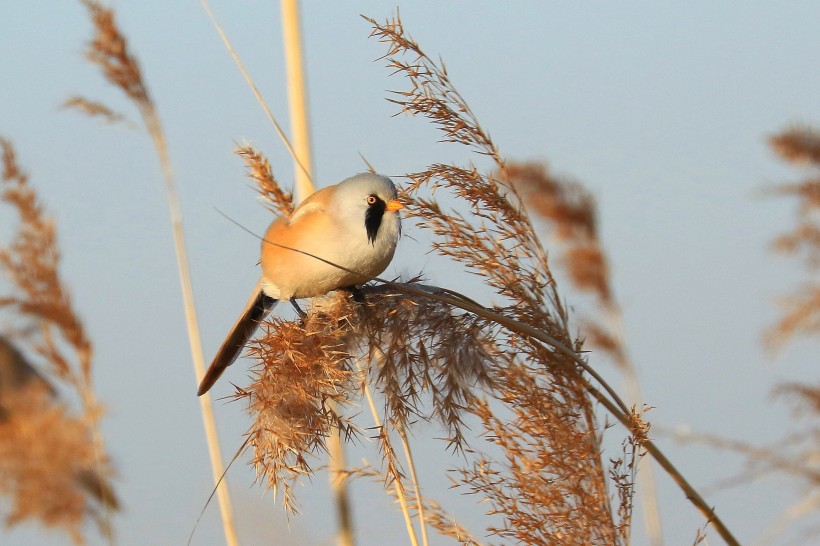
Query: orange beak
(394, 205)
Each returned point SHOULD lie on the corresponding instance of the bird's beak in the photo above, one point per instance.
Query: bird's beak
(394, 205)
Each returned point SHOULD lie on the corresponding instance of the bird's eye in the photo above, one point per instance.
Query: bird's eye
(371, 199)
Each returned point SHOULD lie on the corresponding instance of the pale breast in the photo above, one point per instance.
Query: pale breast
(298, 256)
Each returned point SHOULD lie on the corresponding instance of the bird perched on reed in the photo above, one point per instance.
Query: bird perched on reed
(338, 238)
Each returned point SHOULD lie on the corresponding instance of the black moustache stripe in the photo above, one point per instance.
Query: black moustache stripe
(373, 219)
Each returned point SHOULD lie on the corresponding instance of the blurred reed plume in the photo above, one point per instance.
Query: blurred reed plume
(571, 213)
(798, 455)
(53, 463)
(108, 49)
(801, 146)
(572, 216)
(795, 455)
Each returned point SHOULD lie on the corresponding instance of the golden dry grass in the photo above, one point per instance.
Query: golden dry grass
(571, 216)
(95, 109)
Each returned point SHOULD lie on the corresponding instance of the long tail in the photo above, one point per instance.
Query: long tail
(257, 308)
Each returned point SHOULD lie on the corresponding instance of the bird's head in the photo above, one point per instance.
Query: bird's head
(371, 199)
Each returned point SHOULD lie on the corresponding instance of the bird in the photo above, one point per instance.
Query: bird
(354, 224)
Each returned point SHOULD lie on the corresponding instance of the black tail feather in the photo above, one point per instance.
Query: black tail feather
(259, 305)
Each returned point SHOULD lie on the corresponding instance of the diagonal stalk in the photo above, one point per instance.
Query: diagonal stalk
(256, 93)
(411, 465)
(408, 522)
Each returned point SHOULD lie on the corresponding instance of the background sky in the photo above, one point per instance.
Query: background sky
(661, 110)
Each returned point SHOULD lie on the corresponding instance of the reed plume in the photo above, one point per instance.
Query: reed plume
(53, 462)
(572, 216)
(259, 170)
(800, 146)
(424, 358)
(554, 431)
(96, 109)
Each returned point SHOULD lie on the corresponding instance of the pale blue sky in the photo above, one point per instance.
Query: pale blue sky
(661, 110)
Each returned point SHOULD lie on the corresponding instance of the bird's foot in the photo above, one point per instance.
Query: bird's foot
(356, 292)
(298, 309)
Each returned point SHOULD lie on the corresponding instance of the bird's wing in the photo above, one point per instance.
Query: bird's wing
(314, 203)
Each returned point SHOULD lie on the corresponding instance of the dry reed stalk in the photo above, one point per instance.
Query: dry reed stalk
(394, 473)
(444, 523)
(341, 498)
(297, 98)
(411, 465)
(52, 462)
(109, 50)
(393, 476)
